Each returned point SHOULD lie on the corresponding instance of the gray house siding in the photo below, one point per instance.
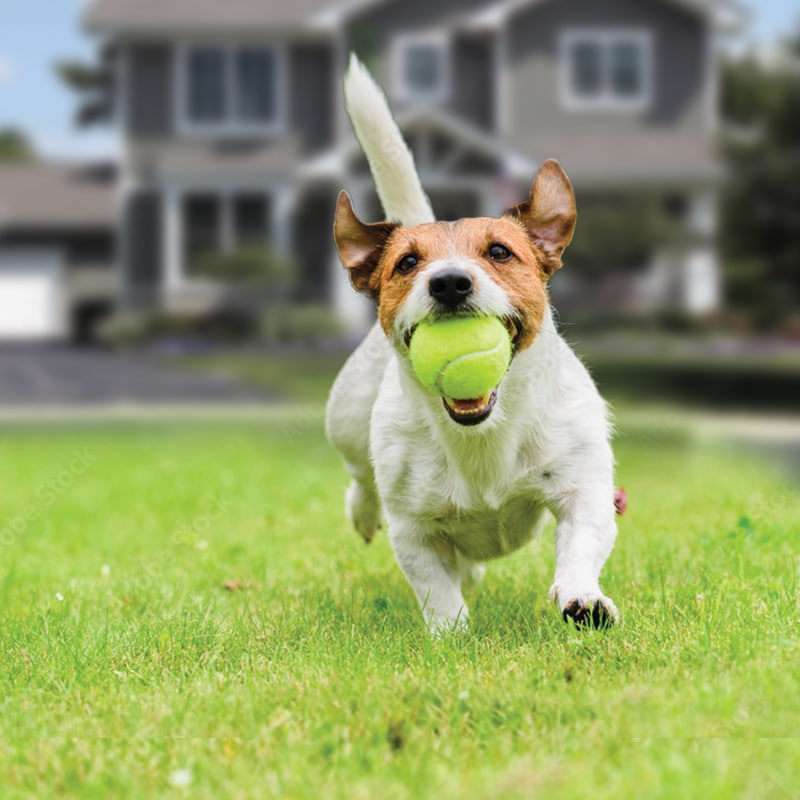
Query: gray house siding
(149, 111)
(312, 234)
(474, 93)
(372, 32)
(679, 67)
(142, 247)
(313, 74)
(151, 103)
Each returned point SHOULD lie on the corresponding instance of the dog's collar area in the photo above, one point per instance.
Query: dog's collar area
(470, 412)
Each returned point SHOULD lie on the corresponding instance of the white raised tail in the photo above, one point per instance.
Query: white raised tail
(390, 161)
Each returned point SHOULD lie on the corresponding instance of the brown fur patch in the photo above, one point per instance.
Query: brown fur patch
(522, 277)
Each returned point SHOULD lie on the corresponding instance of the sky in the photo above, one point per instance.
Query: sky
(36, 33)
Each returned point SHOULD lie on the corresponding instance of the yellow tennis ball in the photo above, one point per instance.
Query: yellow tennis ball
(463, 358)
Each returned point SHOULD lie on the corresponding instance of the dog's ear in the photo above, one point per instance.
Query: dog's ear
(360, 244)
(549, 213)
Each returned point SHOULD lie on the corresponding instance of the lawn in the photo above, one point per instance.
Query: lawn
(186, 614)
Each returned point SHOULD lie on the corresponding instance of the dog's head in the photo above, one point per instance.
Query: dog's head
(482, 266)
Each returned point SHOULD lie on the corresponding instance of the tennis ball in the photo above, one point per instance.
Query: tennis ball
(463, 357)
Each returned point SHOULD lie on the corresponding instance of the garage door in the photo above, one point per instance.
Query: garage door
(31, 294)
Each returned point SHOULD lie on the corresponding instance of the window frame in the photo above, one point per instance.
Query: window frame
(226, 234)
(401, 44)
(232, 124)
(606, 99)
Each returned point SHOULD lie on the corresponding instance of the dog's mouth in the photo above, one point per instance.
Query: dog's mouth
(475, 410)
(470, 412)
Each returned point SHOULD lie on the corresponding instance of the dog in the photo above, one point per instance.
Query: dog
(459, 483)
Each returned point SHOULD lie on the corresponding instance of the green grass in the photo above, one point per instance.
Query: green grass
(126, 667)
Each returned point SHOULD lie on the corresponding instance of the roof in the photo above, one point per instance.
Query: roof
(106, 16)
(111, 16)
(727, 15)
(48, 196)
(515, 162)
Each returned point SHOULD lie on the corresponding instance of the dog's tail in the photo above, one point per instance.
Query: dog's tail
(392, 165)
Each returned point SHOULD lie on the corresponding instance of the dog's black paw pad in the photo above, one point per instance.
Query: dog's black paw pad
(592, 615)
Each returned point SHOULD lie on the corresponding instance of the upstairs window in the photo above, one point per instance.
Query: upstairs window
(604, 70)
(230, 90)
(255, 85)
(206, 89)
(421, 68)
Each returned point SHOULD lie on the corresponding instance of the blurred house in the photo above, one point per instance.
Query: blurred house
(57, 263)
(234, 133)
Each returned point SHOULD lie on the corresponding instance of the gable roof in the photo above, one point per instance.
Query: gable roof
(727, 15)
(512, 161)
(52, 196)
(110, 16)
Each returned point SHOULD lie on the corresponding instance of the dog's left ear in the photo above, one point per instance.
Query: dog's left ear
(360, 244)
(549, 213)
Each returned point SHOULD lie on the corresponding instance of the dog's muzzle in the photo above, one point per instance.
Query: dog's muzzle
(470, 412)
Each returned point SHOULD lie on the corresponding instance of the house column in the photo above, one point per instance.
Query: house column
(702, 284)
(285, 201)
(173, 234)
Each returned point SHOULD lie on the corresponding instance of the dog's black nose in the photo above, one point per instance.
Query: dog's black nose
(450, 288)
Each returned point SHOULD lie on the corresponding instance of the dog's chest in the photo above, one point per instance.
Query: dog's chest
(485, 533)
(486, 509)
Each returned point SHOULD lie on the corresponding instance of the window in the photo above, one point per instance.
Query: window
(206, 90)
(606, 70)
(250, 219)
(230, 90)
(202, 231)
(256, 81)
(214, 224)
(421, 68)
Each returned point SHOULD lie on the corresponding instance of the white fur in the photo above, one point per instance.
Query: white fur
(390, 160)
(455, 496)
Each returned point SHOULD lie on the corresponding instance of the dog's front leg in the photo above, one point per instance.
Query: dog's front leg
(431, 567)
(584, 538)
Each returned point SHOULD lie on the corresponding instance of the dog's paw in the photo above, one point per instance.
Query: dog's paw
(363, 510)
(594, 614)
(586, 610)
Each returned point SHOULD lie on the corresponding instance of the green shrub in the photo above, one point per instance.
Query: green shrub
(300, 324)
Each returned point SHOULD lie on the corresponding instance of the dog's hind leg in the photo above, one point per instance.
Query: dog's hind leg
(363, 507)
(347, 426)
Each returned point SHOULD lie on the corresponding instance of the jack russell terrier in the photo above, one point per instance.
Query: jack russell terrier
(462, 482)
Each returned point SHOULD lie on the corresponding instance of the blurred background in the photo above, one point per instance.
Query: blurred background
(168, 172)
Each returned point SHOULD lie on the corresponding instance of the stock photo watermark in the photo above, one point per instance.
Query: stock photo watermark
(46, 494)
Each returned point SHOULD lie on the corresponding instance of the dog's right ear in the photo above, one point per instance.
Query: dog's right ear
(360, 244)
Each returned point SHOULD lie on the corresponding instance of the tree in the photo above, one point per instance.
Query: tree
(15, 146)
(761, 205)
(93, 84)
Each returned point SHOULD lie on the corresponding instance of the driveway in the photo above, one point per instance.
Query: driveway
(40, 376)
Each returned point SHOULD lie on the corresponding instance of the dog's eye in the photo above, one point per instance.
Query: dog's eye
(407, 264)
(499, 252)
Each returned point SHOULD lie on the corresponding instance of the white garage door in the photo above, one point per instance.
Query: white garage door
(31, 294)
